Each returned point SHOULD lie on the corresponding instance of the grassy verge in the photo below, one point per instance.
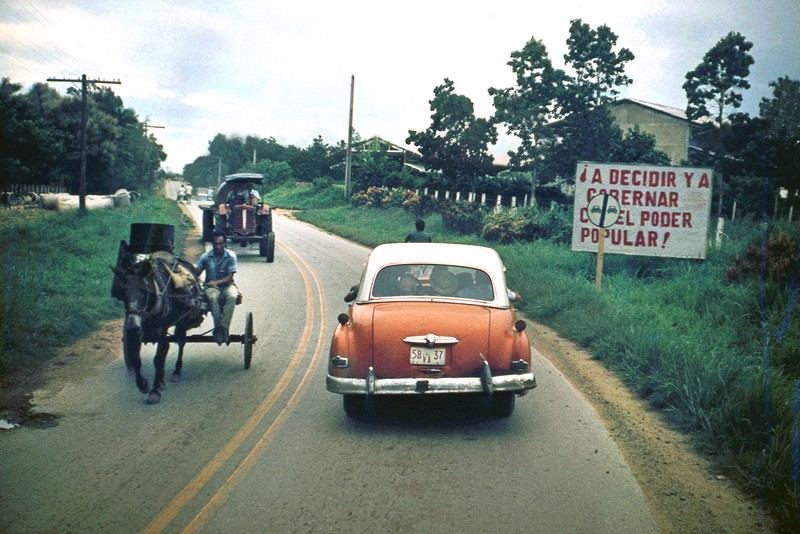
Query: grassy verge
(56, 280)
(674, 330)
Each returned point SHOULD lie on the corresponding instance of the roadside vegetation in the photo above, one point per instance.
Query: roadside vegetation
(57, 288)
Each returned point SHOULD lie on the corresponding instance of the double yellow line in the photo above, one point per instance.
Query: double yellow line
(198, 482)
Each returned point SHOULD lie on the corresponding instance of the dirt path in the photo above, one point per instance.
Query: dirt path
(684, 494)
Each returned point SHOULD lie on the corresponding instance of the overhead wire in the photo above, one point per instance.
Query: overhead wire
(21, 22)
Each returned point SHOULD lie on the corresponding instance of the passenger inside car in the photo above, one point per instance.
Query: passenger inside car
(481, 289)
(443, 282)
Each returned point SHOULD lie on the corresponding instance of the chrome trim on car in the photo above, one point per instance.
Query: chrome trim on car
(430, 340)
(370, 382)
(399, 386)
(486, 377)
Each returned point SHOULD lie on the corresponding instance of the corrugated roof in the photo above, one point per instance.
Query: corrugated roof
(675, 112)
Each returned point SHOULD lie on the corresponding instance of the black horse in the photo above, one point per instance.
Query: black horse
(160, 291)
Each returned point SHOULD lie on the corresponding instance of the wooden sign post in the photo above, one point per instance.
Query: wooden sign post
(603, 211)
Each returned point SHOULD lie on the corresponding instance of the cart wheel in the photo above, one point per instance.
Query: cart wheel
(248, 339)
(270, 247)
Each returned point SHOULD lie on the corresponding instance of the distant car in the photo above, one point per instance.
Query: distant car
(205, 200)
(428, 319)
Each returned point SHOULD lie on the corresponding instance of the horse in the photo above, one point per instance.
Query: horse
(159, 291)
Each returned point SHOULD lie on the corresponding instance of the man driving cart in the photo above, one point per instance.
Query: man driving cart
(220, 265)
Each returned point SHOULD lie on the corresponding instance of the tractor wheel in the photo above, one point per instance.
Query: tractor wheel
(269, 243)
(208, 224)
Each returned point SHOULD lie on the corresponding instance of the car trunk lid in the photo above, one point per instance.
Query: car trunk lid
(461, 331)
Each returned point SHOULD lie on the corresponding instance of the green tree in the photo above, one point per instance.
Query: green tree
(781, 115)
(585, 129)
(527, 108)
(275, 172)
(714, 88)
(598, 68)
(231, 153)
(203, 171)
(312, 162)
(456, 143)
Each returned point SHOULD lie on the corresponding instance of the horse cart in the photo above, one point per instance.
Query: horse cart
(163, 299)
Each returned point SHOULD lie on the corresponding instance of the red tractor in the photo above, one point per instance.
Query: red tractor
(237, 210)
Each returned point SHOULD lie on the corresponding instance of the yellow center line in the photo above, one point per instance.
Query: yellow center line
(227, 487)
(198, 482)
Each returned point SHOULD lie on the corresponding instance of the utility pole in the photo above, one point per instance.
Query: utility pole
(349, 141)
(146, 126)
(84, 120)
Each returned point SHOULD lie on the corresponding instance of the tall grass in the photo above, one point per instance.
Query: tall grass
(674, 330)
(56, 277)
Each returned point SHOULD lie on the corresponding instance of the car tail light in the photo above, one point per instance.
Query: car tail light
(519, 365)
(338, 362)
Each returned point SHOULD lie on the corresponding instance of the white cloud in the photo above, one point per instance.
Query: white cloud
(281, 69)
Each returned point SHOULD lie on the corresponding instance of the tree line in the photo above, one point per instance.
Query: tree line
(40, 140)
(560, 117)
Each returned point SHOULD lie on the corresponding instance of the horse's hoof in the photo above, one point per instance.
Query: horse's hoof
(176, 377)
(154, 397)
(143, 386)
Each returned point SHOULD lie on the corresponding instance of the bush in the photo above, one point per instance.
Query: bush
(462, 217)
(382, 197)
(507, 227)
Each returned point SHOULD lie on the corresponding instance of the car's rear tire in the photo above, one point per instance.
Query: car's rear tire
(354, 405)
(503, 403)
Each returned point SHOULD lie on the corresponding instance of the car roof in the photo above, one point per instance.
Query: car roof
(453, 254)
(443, 253)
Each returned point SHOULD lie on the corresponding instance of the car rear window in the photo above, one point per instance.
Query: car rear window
(433, 280)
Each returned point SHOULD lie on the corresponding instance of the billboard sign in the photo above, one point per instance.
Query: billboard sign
(663, 211)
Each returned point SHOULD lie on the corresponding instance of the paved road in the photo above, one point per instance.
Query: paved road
(270, 450)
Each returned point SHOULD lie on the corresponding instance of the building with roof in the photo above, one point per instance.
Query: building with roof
(670, 126)
(407, 156)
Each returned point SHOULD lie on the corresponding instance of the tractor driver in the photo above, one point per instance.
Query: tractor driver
(219, 263)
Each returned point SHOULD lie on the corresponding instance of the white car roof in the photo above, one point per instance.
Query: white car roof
(457, 255)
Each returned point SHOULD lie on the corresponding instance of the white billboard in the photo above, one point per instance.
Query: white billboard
(664, 211)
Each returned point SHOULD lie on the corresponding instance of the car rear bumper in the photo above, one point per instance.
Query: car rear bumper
(486, 383)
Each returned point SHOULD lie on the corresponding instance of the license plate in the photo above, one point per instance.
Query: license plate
(426, 356)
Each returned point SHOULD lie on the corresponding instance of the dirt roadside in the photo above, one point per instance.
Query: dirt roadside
(684, 494)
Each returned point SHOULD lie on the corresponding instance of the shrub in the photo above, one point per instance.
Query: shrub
(371, 198)
(781, 258)
(461, 217)
(507, 227)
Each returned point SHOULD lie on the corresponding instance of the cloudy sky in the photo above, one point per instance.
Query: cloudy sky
(282, 68)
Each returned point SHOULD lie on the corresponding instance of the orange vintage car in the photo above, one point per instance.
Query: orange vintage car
(427, 319)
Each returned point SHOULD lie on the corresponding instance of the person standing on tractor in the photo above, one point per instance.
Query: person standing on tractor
(220, 265)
